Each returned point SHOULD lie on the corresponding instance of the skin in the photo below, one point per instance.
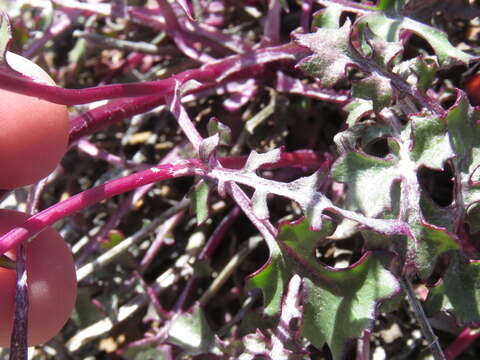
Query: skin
(51, 284)
(33, 132)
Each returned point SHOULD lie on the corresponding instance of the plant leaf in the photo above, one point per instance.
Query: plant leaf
(432, 242)
(328, 17)
(192, 333)
(199, 197)
(465, 139)
(431, 143)
(338, 304)
(459, 292)
(390, 5)
(332, 53)
(389, 27)
(358, 109)
(369, 180)
(424, 141)
(385, 53)
(376, 88)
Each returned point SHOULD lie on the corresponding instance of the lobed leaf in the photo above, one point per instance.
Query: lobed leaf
(391, 26)
(369, 181)
(464, 135)
(424, 141)
(331, 53)
(358, 109)
(338, 304)
(385, 53)
(431, 143)
(432, 242)
(192, 333)
(459, 291)
(376, 88)
(328, 17)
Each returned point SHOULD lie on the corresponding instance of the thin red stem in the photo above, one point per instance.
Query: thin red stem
(41, 220)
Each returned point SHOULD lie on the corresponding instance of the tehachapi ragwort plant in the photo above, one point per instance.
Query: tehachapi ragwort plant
(405, 127)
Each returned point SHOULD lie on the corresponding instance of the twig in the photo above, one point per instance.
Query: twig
(236, 260)
(427, 331)
(116, 251)
(165, 280)
(18, 343)
(135, 46)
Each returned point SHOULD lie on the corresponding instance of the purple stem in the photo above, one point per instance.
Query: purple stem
(34, 194)
(291, 85)
(124, 208)
(271, 31)
(99, 118)
(186, 293)
(162, 313)
(118, 110)
(348, 6)
(175, 106)
(285, 337)
(185, 7)
(363, 346)
(66, 21)
(184, 43)
(47, 217)
(91, 149)
(461, 343)
(305, 15)
(18, 342)
(242, 66)
(209, 35)
(218, 234)
(157, 244)
(264, 226)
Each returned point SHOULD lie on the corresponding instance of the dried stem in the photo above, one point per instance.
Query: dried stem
(427, 331)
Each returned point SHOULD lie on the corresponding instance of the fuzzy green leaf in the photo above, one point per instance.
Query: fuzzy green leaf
(424, 141)
(390, 27)
(436, 215)
(192, 333)
(419, 72)
(369, 181)
(331, 53)
(431, 243)
(358, 109)
(338, 304)
(199, 197)
(390, 5)
(376, 88)
(385, 53)
(465, 139)
(223, 131)
(473, 219)
(328, 17)
(431, 143)
(459, 292)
